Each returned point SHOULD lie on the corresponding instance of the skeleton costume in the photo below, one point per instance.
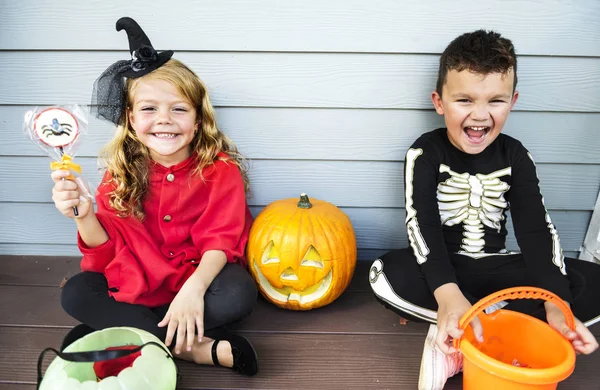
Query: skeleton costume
(456, 213)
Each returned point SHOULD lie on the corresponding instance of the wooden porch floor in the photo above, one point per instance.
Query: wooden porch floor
(353, 343)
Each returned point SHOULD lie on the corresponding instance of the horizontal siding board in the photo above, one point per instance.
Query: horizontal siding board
(36, 249)
(375, 228)
(343, 183)
(313, 95)
(341, 134)
(346, 80)
(371, 254)
(33, 249)
(536, 27)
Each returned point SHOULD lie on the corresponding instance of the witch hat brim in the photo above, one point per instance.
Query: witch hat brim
(144, 58)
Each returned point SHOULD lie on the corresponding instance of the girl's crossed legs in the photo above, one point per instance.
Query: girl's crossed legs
(230, 297)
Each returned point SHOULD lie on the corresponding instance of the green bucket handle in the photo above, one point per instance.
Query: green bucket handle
(94, 356)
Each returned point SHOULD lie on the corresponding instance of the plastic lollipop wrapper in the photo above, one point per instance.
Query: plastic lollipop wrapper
(58, 131)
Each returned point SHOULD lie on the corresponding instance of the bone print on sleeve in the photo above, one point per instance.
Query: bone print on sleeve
(536, 235)
(423, 224)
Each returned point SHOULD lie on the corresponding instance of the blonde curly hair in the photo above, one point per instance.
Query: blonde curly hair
(127, 160)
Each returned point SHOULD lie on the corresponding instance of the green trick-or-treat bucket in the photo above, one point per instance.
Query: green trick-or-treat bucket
(73, 369)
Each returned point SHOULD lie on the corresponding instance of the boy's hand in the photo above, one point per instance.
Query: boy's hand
(452, 305)
(66, 195)
(185, 316)
(582, 339)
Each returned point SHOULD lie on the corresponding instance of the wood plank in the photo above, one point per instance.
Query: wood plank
(50, 270)
(17, 386)
(374, 227)
(332, 361)
(37, 270)
(37, 290)
(302, 80)
(348, 183)
(559, 28)
(354, 312)
(284, 361)
(33, 306)
(567, 137)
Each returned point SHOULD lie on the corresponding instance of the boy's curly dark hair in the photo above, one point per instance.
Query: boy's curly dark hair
(480, 51)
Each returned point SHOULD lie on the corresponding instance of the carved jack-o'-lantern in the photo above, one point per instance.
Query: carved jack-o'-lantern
(302, 254)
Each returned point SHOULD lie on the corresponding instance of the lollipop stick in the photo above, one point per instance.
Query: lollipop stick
(74, 207)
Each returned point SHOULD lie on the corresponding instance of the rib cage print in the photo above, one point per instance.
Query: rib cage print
(475, 201)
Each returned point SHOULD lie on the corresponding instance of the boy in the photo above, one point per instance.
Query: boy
(460, 182)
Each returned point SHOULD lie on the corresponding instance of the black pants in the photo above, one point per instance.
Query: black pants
(230, 297)
(398, 282)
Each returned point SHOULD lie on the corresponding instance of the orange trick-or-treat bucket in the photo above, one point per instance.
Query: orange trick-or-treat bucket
(519, 352)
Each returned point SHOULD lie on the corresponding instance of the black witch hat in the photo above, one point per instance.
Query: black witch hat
(108, 96)
(144, 59)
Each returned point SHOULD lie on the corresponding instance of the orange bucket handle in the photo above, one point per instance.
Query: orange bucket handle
(515, 293)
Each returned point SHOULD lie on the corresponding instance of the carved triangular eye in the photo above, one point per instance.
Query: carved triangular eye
(312, 258)
(270, 254)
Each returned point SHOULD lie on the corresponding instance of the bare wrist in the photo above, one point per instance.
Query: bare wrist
(198, 283)
(91, 215)
(91, 231)
(447, 292)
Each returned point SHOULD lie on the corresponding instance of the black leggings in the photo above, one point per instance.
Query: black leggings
(397, 281)
(230, 297)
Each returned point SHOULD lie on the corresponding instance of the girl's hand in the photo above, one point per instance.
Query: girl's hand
(66, 195)
(452, 305)
(185, 315)
(582, 339)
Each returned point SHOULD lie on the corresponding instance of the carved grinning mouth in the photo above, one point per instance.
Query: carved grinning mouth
(287, 294)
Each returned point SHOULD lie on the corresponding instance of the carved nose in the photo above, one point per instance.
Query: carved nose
(288, 274)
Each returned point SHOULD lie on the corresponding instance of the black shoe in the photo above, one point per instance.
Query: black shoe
(245, 360)
(75, 334)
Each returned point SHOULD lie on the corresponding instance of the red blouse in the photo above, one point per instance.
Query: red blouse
(147, 262)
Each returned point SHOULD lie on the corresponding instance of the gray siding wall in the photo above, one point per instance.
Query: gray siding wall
(323, 97)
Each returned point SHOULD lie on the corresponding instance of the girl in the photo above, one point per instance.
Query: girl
(164, 252)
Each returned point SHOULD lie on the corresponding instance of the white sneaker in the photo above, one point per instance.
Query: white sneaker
(437, 367)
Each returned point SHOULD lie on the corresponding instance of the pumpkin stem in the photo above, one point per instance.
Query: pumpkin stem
(304, 202)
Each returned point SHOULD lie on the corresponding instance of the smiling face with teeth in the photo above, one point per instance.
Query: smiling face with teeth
(475, 107)
(163, 120)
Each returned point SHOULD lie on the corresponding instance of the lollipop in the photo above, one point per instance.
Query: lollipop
(56, 130)
(56, 127)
